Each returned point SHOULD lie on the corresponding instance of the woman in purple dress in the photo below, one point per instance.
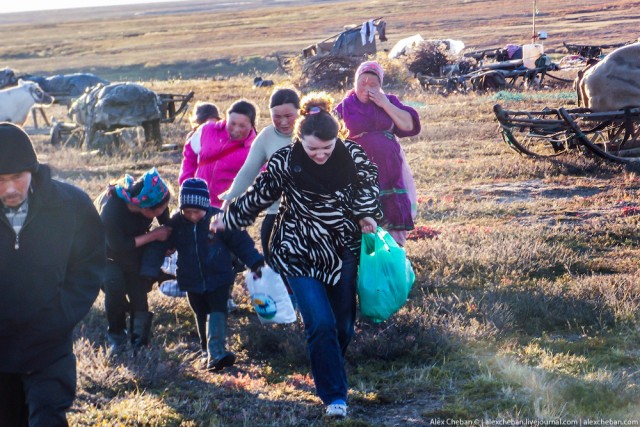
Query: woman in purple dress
(376, 120)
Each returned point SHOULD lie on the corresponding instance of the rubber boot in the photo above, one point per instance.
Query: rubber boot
(219, 357)
(140, 329)
(117, 342)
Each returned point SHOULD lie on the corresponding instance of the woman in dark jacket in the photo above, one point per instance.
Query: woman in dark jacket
(329, 198)
(127, 210)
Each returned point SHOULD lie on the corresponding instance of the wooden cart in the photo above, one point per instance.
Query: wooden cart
(611, 135)
(173, 107)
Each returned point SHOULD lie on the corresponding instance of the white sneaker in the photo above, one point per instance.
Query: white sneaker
(336, 410)
(231, 305)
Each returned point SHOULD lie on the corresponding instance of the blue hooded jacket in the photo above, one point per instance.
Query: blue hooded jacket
(204, 258)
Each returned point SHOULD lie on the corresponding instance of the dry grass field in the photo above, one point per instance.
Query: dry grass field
(525, 307)
(208, 38)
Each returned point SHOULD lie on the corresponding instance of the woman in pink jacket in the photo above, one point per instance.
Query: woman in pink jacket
(217, 150)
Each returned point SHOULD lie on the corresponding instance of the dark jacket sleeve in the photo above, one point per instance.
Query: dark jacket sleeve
(117, 239)
(84, 275)
(243, 246)
(153, 253)
(85, 271)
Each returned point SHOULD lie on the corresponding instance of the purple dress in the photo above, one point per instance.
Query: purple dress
(372, 128)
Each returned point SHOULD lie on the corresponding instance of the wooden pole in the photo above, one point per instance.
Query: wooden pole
(533, 35)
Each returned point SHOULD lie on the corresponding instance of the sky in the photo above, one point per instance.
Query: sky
(30, 5)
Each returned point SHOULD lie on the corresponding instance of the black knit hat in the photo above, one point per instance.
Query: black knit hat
(16, 150)
(194, 193)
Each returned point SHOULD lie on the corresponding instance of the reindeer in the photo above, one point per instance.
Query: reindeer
(16, 102)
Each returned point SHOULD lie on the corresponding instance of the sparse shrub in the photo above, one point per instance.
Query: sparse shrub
(329, 72)
(266, 341)
(615, 298)
(135, 408)
(396, 74)
(407, 336)
(427, 58)
(497, 277)
(546, 308)
(488, 258)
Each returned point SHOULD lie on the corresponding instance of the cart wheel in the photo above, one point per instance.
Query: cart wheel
(538, 145)
(534, 138)
(55, 135)
(75, 138)
(65, 135)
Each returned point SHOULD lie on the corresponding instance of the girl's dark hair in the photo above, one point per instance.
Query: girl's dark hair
(202, 112)
(316, 118)
(284, 96)
(246, 108)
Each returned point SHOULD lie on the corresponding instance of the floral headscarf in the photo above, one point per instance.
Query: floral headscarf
(370, 67)
(154, 190)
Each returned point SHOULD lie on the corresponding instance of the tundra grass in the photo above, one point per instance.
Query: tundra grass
(526, 301)
(525, 305)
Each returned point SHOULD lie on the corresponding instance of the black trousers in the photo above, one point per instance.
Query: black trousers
(265, 233)
(203, 304)
(40, 398)
(265, 236)
(124, 292)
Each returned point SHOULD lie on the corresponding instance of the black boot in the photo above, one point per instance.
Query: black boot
(117, 329)
(117, 342)
(140, 329)
(219, 357)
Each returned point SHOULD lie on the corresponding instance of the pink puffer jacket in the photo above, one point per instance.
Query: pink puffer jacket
(211, 155)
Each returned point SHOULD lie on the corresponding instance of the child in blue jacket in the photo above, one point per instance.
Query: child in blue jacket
(204, 267)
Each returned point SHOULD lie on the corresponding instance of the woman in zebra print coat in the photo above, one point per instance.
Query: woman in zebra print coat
(329, 193)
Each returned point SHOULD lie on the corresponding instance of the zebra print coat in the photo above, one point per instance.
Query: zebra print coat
(311, 228)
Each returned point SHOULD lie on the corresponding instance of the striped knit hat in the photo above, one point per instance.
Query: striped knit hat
(194, 193)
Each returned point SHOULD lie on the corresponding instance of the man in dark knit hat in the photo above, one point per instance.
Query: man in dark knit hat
(52, 258)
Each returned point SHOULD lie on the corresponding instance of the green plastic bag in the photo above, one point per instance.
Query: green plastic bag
(385, 276)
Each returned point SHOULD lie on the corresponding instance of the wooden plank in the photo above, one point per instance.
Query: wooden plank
(37, 131)
(514, 63)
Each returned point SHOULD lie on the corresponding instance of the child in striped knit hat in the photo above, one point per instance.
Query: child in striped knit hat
(204, 268)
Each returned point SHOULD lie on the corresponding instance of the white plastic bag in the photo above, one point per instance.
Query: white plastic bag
(170, 288)
(170, 264)
(269, 297)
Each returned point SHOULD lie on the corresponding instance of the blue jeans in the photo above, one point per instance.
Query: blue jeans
(329, 314)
